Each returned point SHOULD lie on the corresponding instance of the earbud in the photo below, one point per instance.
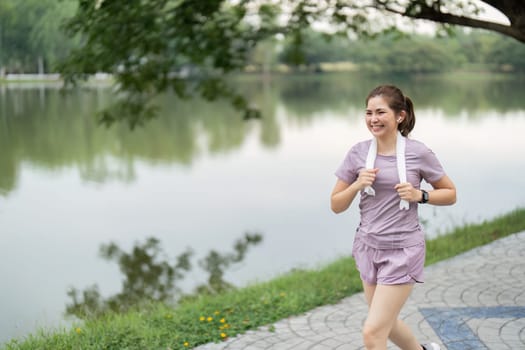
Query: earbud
(399, 120)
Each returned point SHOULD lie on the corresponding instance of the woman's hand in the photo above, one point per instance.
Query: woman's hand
(443, 193)
(407, 192)
(366, 178)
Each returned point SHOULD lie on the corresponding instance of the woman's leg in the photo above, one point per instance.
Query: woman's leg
(385, 303)
(403, 337)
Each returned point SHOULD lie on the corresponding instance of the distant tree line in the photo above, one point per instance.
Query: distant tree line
(31, 38)
(416, 53)
(32, 41)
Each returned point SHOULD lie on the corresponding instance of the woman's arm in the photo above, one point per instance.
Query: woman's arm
(444, 192)
(343, 193)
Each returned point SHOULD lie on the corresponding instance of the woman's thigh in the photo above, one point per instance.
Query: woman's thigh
(385, 303)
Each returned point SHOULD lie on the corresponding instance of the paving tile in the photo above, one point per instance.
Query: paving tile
(473, 301)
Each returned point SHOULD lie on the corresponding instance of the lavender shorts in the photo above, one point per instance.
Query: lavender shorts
(389, 266)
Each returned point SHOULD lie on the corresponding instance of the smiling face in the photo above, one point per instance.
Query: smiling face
(381, 120)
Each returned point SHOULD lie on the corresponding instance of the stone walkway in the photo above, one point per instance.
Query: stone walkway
(473, 301)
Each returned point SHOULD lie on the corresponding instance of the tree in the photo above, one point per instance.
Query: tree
(408, 54)
(151, 46)
(30, 34)
(317, 49)
(507, 56)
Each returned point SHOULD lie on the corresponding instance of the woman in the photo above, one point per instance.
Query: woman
(389, 245)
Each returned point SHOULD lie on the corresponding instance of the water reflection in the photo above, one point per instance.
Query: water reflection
(306, 96)
(149, 275)
(52, 130)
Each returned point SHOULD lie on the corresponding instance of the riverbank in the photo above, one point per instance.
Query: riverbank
(54, 78)
(471, 71)
(202, 319)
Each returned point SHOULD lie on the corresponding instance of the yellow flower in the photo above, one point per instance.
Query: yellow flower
(78, 330)
(217, 312)
(223, 320)
(210, 318)
(224, 335)
(186, 344)
(202, 318)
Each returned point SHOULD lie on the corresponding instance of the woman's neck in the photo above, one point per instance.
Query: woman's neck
(386, 146)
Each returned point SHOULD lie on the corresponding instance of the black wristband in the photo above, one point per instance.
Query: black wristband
(424, 197)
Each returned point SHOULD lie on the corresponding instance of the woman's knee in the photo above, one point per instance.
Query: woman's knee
(374, 335)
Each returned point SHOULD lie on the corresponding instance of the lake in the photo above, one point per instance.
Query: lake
(199, 176)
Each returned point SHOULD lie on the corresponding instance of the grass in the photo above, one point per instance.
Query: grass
(464, 238)
(211, 318)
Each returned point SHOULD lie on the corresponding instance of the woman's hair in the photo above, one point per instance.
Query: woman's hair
(397, 102)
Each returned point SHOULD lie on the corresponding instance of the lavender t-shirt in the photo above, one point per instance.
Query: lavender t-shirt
(383, 225)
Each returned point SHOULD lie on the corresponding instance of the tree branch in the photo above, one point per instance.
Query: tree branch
(476, 23)
(430, 13)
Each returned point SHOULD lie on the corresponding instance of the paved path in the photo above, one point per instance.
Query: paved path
(473, 301)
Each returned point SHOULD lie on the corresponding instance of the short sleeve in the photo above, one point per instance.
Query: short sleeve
(431, 169)
(351, 165)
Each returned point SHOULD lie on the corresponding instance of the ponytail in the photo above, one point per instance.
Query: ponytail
(408, 123)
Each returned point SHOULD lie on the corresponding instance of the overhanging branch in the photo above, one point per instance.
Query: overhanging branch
(431, 14)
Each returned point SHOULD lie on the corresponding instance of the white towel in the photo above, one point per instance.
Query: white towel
(401, 166)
